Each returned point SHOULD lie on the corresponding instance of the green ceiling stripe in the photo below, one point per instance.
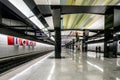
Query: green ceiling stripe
(78, 19)
(85, 23)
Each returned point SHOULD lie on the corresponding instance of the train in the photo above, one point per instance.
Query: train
(12, 46)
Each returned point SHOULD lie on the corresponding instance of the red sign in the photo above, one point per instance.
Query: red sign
(10, 40)
(19, 41)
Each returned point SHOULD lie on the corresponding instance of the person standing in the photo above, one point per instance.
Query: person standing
(96, 50)
(99, 50)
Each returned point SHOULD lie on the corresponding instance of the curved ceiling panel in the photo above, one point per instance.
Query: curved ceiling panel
(89, 2)
(83, 21)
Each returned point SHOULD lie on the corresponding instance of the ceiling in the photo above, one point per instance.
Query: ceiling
(75, 17)
(47, 2)
(89, 2)
(83, 21)
(76, 2)
(75, 21)
(75, 14)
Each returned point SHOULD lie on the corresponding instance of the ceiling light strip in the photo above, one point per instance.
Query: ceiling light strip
(23, 8)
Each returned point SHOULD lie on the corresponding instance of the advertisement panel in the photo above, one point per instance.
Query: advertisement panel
(19, 41)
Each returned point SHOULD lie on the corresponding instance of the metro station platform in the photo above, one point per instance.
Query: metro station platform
(74, 66)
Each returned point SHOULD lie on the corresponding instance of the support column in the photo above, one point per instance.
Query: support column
(0, 13)
(116, 28)
(70, 45)
(83, 42)
(109, 41)
(73, 44)
(57, 25)
(0, 18)
(85, 38)
(77, 37)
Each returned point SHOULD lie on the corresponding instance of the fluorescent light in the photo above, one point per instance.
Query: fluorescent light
(118, 4)
(117, 33)
(54, 2)
(50, 22)
(65, 32)
(41, 2)
(47, 2)
(117, 78)
(45, 30)
(52, 38)
(91, 33)
(35, 20)
(99, 38)
(22, 7)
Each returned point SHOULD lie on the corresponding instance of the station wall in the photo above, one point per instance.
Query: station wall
(92, 47)
(10, 46)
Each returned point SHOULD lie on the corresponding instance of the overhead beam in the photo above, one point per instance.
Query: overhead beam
(71, 9)
(83, 9)
(66, 9)
(90, 30)
(68, 36)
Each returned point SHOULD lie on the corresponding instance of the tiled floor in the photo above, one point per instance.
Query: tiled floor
(76, 66)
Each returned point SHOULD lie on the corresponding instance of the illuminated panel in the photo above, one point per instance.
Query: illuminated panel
(65, 32)
(37, 22)
(47, 2)
(82, 21)
(22, 7)
(50, 22)
(54, 2)
(98, 24)
(41, 2)
(89, 2)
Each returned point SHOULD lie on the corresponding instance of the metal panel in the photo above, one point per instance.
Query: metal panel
(45, 10)
(83, 9)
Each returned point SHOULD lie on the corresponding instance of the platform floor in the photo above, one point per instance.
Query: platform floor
(75, 66)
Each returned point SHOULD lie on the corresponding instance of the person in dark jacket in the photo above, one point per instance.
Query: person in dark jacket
(96, 51)
(99, 50)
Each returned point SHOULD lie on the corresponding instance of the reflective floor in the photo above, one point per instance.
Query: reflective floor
(75, 66)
